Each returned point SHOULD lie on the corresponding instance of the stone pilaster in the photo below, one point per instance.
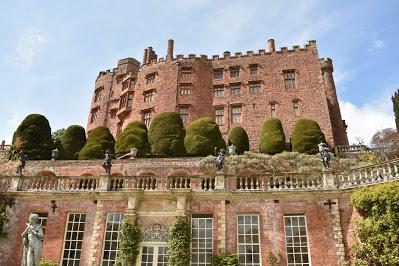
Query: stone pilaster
(222, 225)
(338, 233)
(132, 204)
(95, 241)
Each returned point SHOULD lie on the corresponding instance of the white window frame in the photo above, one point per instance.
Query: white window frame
(184, 113)
(156, 245)
(108, 261)
(259, 240)
(234, 115)
(72, 263)
(209, 263)
(306, 235)
(219, 116)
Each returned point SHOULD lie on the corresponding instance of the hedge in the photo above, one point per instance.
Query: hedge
(202, 136)
(135, 135)
(272, 138)
(99, 140)
(306, 136)
(72, 141)
(239, 138)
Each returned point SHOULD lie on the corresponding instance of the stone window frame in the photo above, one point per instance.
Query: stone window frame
(296, 108)
(273, 109)
(147, 116)
(186, 72)
(252, 243)
(78, 239)
(253, 69)
(256, 84)
(300, 237)
(218, 73)
(150, 78)
(219, 116)
(148, 95)
(115, 224)
(234, 71)
(207, 250)
(129, 102)
(185, 117)
(235, 88)
(98, 93)
(233, 115)
(289, 78)
(156, 248)
(218, 91)
(125, 84)
(94, 114)
(185, 89)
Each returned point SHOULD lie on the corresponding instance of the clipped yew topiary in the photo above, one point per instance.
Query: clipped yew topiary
(166, 135)
(306, 136)
(33, 137)
(272, 138)
(72, 141)
(202, 136)
(133, 136)
(99, 140)
(239, 138)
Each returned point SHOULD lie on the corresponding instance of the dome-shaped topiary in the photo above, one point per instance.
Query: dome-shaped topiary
(33, 137)
(166, 135)
(72, 141)
(133, 136)
(202, 136)
(239, 138)
(272, 138)
(98, 141)
(306, 136)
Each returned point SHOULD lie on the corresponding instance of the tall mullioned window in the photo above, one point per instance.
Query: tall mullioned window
(98, 93)
(235, 89)
(219, 114)
(129, 99)
(218, 91)
(253, 69)
(185, 89)
(218, 73)
(147, 117)
(202, 240)
(236, 114)
(111, 239)
(234, 72)
(148, 96)
(73, 239)
(296, 240)
(248, 239)
(289, 79)
(94, 114)
(186, 73)
(295, 105)
(254, 87)
(150, 78)
(273, 109)
(183, 112)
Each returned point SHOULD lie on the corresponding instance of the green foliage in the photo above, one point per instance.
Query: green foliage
(306, 136)
(3, 216)
(44, 262)
(130, 237)
(395, 102)
(99, 140)
(166, 135)
(274, 260)
(133, 136)
(33, 137)
(272, 138)
(239, 138)
(72, 141)
(225, 259)
(376, 235)
(202, 136)
(56, 135)
(179, 242)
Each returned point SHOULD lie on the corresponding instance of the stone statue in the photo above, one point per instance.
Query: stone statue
(231, 150)
(22, 159)
(33, 241)
(324, 155)
(220, 160)
(107, 164)
(54, 154)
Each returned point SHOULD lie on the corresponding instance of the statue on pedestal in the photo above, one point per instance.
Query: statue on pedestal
(33, 241)
(107, 164)
(22, 159)
(220, 160)
(324, 155)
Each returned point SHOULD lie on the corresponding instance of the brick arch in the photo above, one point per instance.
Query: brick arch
(178, 174)
(116, 174)
(144, 173)
(86, 174)
(45, 173)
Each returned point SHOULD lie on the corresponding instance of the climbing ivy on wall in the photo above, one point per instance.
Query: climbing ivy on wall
(3, 216)
(179, 242)
(130, 237)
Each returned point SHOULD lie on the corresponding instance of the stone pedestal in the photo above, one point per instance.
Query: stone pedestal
(104, 183)
(182, 196)
(16, 183)
(219, 181)
(329, 181)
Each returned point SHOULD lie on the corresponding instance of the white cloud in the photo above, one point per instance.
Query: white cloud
(378, 44)
(27, 48)
(364, 121)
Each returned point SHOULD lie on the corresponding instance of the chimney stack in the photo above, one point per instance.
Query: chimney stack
(272, 48)
(149, 55)
(169, 54)
(145, 56)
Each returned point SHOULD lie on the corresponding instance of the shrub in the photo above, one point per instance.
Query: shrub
(239, 138)
(166, 135)
(202, 136)
(44, 262)
(376, 235)
(98, 141)
(133, 136)
(3, 216)
(130, 238)
(306, 136)
(272, 138)
(179, 242)
(33, 137)
(225, 259)
(72, 141)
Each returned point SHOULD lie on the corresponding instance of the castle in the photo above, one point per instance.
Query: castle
(235, 89)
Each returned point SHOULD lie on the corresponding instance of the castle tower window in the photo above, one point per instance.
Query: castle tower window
(289, 79)
(219, 115)
(148, 96)
(123, 101)
(147, 117)
(236, 114)
(218, 73)
(150, 78)
(254, 87)
(111, 240)
(94, 114)
(295, 105)
(98, 93)
(185, 89)
(201, 243)
(248, 239)
(234, 72)
(253, 69)
(218, 91)
(186, 73)
(73, 239)
(125, 84)
(183, 112)
(235, 89)
(113, 113)
(129, 99)
(296, 240)
(273, 110)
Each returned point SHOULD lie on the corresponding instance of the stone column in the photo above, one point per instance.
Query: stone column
(182, 195)
(133, 201)
(95, 243)
(104, 183)
(221, 237)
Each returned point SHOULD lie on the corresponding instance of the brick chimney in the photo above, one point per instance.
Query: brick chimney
(272, 48)
(169, 54)
(145, 56)
(149, 55)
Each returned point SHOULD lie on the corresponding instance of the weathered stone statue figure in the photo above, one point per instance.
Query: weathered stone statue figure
(22, 159)
(231, 150)
(54, 154)
(107, 164)
(220, 160)
(33, 242)
(324, 155)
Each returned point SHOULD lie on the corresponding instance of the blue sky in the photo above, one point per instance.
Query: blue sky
(52, 51)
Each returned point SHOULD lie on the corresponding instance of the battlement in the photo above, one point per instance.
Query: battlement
(326, 64)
